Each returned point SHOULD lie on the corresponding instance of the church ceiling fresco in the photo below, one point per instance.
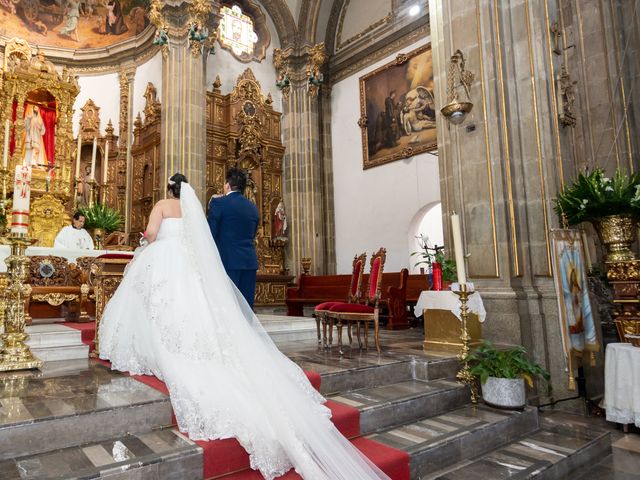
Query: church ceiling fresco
(74, 24)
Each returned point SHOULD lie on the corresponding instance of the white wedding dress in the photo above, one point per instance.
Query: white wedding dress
(176, 315)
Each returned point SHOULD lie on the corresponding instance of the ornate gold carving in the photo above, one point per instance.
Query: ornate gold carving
(247, 88)
(281, 64)
(317, 58)
(55, 299)
(90, 119)
(625, 271)
(48, 216)
(152, 104)
(16, 51)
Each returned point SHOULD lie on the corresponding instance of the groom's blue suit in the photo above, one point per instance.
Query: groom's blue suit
(233, 220)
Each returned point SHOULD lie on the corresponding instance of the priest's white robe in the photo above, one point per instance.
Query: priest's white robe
(73, 238)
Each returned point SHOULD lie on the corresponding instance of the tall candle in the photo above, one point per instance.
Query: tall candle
(105, 163)
(93, 158)
(21, 197)
(5, 152)
(457, 246)
(78, 151)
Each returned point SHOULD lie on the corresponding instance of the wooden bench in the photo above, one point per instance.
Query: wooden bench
(399, 289)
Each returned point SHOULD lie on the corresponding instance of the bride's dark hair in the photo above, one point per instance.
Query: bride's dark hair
(175, 182)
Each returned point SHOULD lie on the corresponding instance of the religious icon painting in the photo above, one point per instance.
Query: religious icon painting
(580, 337)
(397, 108)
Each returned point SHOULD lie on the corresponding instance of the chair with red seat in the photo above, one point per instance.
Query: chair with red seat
(347, 313)
(353, 296)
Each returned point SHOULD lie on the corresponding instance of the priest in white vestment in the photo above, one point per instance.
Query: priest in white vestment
(74, 236)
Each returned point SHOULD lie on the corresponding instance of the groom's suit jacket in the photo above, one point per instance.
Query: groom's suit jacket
(233, 220)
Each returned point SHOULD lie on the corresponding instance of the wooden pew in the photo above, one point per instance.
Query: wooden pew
(399, 289)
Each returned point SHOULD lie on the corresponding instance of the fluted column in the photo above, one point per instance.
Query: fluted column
(305, 164)
(184, 86)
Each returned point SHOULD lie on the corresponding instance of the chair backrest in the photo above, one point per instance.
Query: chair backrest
(375, 275)
(357, 272)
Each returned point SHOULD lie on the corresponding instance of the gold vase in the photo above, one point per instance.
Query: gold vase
(617, 233)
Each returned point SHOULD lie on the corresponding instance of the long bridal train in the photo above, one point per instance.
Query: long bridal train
(176, 315)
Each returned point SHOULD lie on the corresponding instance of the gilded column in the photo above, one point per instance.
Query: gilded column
(124, 173)
(186, 41)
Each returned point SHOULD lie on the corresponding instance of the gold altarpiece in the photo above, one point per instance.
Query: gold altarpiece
(28, 78)
(243, 130)
(146, 184)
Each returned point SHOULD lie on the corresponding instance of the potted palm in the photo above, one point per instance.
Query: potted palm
(101, 220)
(612, 205)
(503, 374)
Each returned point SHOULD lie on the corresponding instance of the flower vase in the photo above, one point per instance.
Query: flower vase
(617, 233)
(437, 276)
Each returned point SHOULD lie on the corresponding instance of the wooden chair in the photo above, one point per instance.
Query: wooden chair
(347, 313)
(353, 296)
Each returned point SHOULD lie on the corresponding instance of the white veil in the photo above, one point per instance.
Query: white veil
(290, 417)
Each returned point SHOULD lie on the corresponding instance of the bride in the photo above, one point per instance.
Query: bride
(177, 315)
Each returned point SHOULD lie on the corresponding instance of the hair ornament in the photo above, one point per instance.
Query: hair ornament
(171, 182)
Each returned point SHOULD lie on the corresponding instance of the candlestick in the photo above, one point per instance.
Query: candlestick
(21, 197)
(5, 151)
(458, 249)
(93, 158)
(587, 253)
(464, 375)
(105, 165)
(78, 150)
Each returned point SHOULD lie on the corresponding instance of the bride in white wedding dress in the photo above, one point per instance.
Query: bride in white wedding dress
(177, 315)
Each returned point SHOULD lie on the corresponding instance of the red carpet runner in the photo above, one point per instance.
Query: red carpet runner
(226, 459)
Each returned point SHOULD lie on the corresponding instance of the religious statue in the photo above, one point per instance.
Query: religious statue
(280, 221)
(84, 188)
(34, 152)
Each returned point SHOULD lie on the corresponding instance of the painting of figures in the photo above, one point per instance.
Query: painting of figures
(75, 24)
(398, 117)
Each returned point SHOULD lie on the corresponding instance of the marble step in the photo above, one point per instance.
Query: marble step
(51, 342)
(547, 454)
(161, 454)
(63, 407)
(52, 354)
(401, 402)
(440, 441)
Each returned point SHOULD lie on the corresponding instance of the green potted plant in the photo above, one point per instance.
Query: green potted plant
(612, 205)
(100, 220)
(503, 374)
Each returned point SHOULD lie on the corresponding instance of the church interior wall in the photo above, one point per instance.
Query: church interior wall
(225, 65)
(374, 207)
(104, 90)
(150, 71)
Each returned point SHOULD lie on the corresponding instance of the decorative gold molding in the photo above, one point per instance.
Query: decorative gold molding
(373, 55)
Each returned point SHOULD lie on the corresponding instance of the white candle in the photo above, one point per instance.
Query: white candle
(93, 158)
(105, 163)
(5, 152)
(78, 150)
(458, 249)
(21, 197)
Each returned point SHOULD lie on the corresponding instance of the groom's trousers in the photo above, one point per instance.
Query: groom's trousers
(245, 280)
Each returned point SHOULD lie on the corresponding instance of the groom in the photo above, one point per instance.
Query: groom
(233, 220)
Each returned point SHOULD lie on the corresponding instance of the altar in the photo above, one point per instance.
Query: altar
(70, 255)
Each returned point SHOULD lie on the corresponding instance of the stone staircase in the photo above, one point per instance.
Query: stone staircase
(77, 419)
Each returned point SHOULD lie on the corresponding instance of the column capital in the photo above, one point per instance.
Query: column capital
(301, 67)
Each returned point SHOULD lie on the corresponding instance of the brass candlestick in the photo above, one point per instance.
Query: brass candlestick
(15, 354)
(92, 193)
(465, 375)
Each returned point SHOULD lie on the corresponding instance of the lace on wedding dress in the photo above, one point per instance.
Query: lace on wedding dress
(226, 377)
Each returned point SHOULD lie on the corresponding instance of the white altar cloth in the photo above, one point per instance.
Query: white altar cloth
(447, 300)
(69, 254)
(622, 383)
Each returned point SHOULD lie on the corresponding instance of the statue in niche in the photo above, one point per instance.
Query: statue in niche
(34, 152)
(280, 221)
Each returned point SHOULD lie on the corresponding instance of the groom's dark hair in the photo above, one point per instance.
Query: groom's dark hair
(175, 182)
(236, 179)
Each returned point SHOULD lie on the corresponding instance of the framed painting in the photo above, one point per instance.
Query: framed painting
(397, 108)
(577, 325)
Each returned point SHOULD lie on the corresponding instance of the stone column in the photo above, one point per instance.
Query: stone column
(503, 167)
(305, 165)
(184, 55)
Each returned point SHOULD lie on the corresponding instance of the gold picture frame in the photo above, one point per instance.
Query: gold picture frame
(397, 109)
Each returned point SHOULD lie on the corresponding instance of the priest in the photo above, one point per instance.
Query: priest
(74, 236)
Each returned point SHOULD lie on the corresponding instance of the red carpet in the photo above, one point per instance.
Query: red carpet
(88, 331)
(226, 459)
